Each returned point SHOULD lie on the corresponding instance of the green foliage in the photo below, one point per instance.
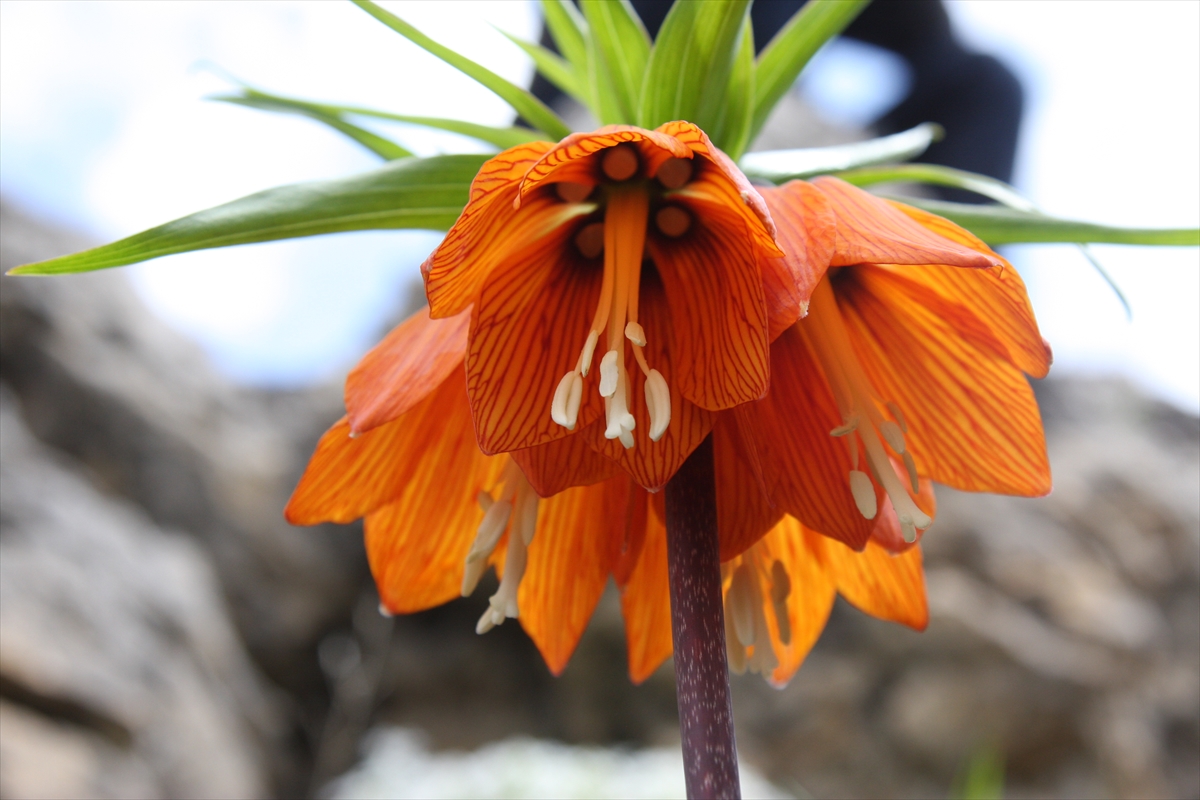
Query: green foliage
(556, 69)
(787, 53)
(983, 777)
(780, 166)
(535, 111)
(621, 49)
(502, 138)
(569, 30)
(384, 148)
(427, 193)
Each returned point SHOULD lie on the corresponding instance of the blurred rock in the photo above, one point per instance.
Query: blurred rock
(121, 675)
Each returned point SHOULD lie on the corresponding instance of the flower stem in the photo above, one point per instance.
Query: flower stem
(698, 630)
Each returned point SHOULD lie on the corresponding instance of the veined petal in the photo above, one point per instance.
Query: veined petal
(563, 463)
(532, 317)
(744, 512)
(879, 583)
(872, 231)
(972, 417)
(570, 159)
(459, 264)
(652, 464)
(569, 564)
(404, 368)
(646, 605)
(417, 544)
(810, 599)
(810, 466)
(997, 295)
(807, 234)
(719, 341)
(348, 478)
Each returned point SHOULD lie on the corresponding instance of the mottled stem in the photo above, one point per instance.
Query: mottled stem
(698, 630)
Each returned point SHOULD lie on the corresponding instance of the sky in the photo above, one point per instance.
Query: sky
(103, 127)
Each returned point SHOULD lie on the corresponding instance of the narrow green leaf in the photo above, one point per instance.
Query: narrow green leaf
(533, 110)
(689, 69)
(998, 225)
(502, 138)
(426, 193)
(569, 30)
(624, 48)
(378, 145)
(1108, 278)
(939, 176)
(604, 101)
(556, 69)
(780, 166)
(790, 49)
(733, 135)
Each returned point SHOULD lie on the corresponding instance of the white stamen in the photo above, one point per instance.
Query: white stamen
(741, 605)
(899, 415)
(620, 422)
(864, 493)
(383, 611)
(908, 529)
(658, 401)
(485, 501)
(911, 466)
(525, 518)
(495, 520)
(635, 333)
(608, 375)
(892, 433)
(589, 348)
(571, 386)
(849, 427)
(733, 648)
(354, 434)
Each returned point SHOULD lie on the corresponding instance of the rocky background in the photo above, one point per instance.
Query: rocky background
(164, 633)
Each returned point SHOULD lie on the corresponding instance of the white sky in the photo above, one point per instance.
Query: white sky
(102, 128)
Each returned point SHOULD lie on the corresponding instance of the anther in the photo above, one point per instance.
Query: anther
(741, 604)
(674, 173)
(908, 529)
(620, 163)
(911, 466)
(564, 409)
(899, 415)
(864, 493)
(590, 239)
(658, 401)
(843, 430)
(384, 612)
(635, 333)
(608, 374)
(572, 192)
(892, 433)
(673, 221)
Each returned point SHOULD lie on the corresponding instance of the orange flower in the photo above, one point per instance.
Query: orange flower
(912, 354)
(551, 254)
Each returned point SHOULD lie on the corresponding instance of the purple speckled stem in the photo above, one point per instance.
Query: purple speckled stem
(698, 630)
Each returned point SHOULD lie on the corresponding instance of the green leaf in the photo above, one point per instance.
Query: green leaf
(733, 134)
(780, 166)
(689, 69)
(604, 101)
(384, 148)
(533, 110)
(998, 225)
(939, 176)
(569, 30)
(556, 69)
(502, 138)
(623, 46)
(786, 54)
(427, 193)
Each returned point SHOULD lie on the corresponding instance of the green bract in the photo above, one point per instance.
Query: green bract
(702, 68)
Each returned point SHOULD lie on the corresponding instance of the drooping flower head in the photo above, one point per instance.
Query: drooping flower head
(616, 287)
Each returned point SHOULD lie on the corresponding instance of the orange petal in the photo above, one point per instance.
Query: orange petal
(404, 368)
(652, 464)
(528, 327)
(872, 231)
(350, 477)
(972, 417)
(571, 159)
(455, 269)
(569, 564)
(646, 605)
(810, 468)
(416, 545)
(627, 552)
(744, 512)
(807, 234)
(998, 295)
(810, 599)
(881, 584)
(719, 331)
(566, 462)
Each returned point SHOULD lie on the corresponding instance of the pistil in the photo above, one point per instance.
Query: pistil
(862, 420)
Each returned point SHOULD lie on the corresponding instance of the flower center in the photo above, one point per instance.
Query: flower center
(510, 500)
(748, 641)
(862, 419)
(616, 319)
